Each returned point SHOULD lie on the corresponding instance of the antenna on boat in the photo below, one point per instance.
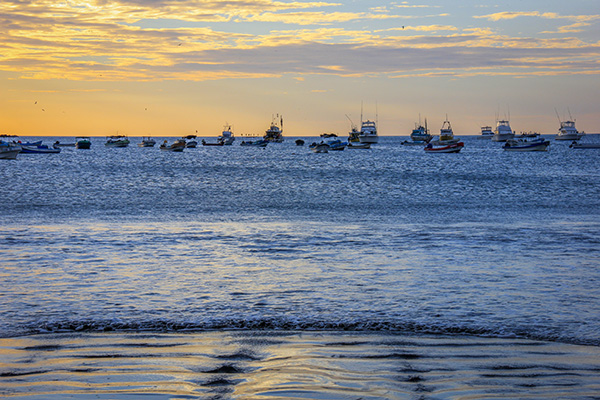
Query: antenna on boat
(557, 116)
(352, 124)
(361, 111)
(570, 116)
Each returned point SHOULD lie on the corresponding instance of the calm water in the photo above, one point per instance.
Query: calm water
(390, 241)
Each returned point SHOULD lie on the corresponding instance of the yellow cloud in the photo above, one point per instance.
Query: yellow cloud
(548, 15)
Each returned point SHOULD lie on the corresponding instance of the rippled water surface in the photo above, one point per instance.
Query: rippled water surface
(382, 241)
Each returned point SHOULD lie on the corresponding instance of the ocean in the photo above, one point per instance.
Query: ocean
(247, 273)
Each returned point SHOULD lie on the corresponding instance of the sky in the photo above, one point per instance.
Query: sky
(176, 67)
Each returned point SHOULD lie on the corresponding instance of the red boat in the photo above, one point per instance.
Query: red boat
(451, 148)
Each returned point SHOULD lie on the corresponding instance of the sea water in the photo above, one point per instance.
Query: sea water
(379, 273)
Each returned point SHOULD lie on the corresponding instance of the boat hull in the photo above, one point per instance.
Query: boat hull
(371, 139)
(526, 146)
(39, 150)
(83, 145)
(569, 136)
(502, 137)
(9, 154)
(451, 148)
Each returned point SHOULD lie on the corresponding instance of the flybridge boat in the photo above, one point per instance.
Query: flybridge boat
(368, 132)
(503, 132)
(486, 132)
(538, 144)
(567, 131)
(275, 132)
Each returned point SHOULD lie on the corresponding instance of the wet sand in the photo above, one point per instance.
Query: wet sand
(293, 365)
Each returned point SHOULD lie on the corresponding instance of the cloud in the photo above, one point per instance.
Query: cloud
(547, 15)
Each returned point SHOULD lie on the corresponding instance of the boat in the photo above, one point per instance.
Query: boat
(147, 142)
(117, 141)
(177, 146)
(368, 132)
(486, 132)
(328, 135)
(585, 145)
(525, 135)
(227, 136)
(299, 142)
(503, 131)
(39, 149)
(446, 135)
(450, 148)
(255, 143)
(337, 144)
(58, 144)
(191, 141)
(8, 150)
(218, 143)
(319, 147)
(538, 144)
(83, 142)
(359, 146)
(567, 131)
(421, 135)
(275, 132)
(354, 132)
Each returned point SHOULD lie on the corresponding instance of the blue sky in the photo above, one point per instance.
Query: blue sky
(162, 67)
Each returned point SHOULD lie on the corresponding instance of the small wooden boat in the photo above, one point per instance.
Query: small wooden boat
(299, 142)
(117, 141)
(319, 147)
(147, 142)
(451, 148)
(39, 149)
(256, 143)
(359, 145)
(218, 143)
(58, 144)
(177, 146)
(585, 145)
(83, 142)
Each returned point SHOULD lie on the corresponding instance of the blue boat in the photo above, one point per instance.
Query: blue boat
(39, 149)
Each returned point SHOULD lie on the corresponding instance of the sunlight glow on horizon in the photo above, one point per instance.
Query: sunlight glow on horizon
(158, 67)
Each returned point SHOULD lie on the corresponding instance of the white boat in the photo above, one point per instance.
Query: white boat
(9, 151)
(567, 131)
(503, 131)
(275, 132)
(368, 132)
(227, 136)
(539, 144)
(117, 141)
(147, 142)
(486, 132)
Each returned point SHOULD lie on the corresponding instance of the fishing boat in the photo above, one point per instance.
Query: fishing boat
(567, 131)
(255, 143)
(368, 132)
(176, 146)
(275, 132)
(421, 135)
(354, 132)
(83, 142)
(337, 144)
(319, 147)
(9, 151)
(446, 135)
(450, 148)
(117, 141)
(538, 144)
(147, 142)
(503, 131)
(39, 149)
(227, 135)
(486, 132)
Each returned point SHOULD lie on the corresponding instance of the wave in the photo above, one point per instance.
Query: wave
(290, 324)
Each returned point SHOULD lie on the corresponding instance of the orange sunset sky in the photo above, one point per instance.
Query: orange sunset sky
(171, 68)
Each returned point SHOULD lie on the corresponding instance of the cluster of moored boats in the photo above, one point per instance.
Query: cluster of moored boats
(361, 138)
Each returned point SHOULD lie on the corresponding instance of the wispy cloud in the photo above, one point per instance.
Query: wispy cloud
(547, 15)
